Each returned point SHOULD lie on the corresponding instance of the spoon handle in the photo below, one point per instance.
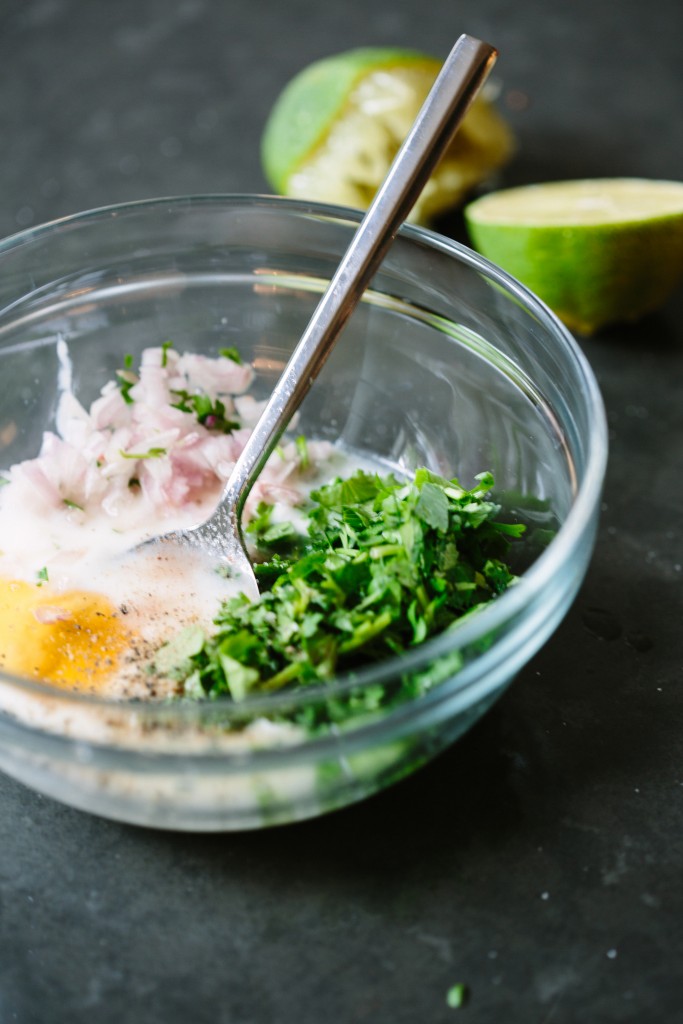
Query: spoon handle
(458, 82)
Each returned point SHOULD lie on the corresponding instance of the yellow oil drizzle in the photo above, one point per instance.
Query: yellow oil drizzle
(72, 639)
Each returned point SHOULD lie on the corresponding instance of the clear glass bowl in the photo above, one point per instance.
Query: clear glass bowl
(448, 363)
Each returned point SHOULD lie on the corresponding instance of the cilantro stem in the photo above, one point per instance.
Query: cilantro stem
(371, 628)
(151, 453)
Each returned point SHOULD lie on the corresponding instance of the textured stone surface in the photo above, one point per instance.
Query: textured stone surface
(539, 861)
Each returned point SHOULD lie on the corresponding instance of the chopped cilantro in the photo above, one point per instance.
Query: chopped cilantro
(126, 379)
(277, 533)
(302, 451)
(457, 995)
(385, 565)
(180, 649)
(225, 571)
(42, 576)
(268, 534)
(260, 520)
(231, 353)
(211, 414)
(432, 506)
(151, 453)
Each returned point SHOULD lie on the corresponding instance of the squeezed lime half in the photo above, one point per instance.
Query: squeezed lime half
(335, 129)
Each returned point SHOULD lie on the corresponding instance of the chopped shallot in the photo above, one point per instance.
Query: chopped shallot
(143, 451)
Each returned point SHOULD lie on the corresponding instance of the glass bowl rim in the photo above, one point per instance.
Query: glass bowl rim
(505, 607)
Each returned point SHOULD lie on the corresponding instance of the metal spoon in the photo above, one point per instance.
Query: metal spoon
(458, 82)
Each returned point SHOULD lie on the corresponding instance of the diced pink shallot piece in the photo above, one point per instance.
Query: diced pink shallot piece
(248, 409)
(72, 421)
(153, 418)
(221, 376)
(274, 492)
(118, 499)
(142, 442)
(157, 484)
(320, 451)
(64, 466)
(278, 469)
(213, 451)
(152, 388)
(91, 460)
(40, 489)
(238, 440)
(109, 410)
(166, 357)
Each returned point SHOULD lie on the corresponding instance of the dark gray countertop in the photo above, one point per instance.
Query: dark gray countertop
(540, 860)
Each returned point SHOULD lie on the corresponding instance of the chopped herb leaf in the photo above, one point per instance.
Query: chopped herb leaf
(211, 414)
(456, 997)
(126, 380)
(231, 353)
(278, 532)
(151, 453)
(302, 450)
(42, 576)
(178, 651)
(260, 520)
(226, 571)
(432, 506)
(73, 504)
(164, 352)
(192, 687)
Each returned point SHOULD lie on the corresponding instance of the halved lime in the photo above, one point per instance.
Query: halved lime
(338, 124)
(597, 251)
